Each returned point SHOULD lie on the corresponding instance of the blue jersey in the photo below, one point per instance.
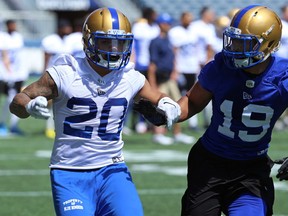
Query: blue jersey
(245, 107)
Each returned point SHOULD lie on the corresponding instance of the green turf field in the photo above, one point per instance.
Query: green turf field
(158, 172)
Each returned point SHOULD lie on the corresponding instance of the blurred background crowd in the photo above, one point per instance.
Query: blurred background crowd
(172, 42)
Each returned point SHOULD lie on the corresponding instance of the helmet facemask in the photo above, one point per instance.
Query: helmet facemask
(109, 50)
(242, 50)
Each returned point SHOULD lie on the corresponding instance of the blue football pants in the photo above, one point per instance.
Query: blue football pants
(247, 205)
(108, 191)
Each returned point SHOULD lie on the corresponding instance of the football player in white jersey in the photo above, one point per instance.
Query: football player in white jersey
(14, 78)
(90, 100)
(5, 72)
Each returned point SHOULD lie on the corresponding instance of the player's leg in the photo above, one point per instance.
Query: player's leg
(204, 205)
(248, 205)
(118, 195)
(73, 193)
(251, 190)
(203, 194)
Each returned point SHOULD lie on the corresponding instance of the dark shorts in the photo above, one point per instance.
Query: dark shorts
(215, 182)
(4, 87)
(190, 79)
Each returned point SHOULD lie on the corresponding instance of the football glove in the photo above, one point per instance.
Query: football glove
(150, 112)
(283, 170)
(171, 109)
(37, 108)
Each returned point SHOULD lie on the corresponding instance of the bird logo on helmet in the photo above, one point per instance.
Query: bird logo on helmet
(107, 38)
(254, 33)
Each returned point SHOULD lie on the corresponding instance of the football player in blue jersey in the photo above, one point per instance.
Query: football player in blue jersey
(229, 167)
(91, 96)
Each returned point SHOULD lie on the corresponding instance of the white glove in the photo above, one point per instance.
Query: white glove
(171, 109)
(37, 108)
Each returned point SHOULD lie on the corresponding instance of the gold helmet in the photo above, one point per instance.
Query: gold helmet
(107, 38)
(254, 33)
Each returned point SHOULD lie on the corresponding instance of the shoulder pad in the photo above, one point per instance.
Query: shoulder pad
(129, 66)
(66, 59)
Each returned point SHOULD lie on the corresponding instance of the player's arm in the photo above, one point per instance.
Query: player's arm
(149, 93)
(157, 107)
(194, 101)
(6, 60)
(33, 99)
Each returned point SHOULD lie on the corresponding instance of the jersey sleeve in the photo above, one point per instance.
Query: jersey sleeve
(281, 79)
(208, 77)
(138, 82)
(135, 78)
(63, 72)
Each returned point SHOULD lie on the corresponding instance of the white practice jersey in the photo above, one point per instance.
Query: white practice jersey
(75, 45)
(89, 113)
(186, 43)
(17, 58)
(206, 36)
(54, 45)
(143, 34)
(5, 44)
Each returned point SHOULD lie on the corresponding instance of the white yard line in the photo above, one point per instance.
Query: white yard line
(25, 172)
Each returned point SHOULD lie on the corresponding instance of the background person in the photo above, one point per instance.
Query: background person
(163, 77)
(14, 79)
(185, 43)
(144, 30)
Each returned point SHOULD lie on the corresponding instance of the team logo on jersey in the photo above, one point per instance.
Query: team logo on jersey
(250, 83)
(100, 92)
(246, 96)
(118, 159)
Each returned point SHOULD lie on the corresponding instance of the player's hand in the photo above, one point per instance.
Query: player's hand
(283, 170)
(37, 108)
(171, 109)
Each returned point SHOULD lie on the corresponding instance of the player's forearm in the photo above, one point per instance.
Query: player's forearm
(17, 106)
(185, 112)
(188, 108)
